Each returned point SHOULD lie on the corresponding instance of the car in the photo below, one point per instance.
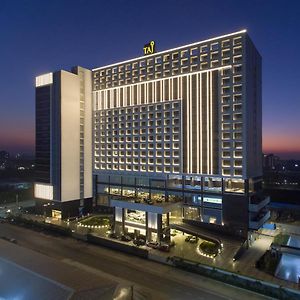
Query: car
(193, 239)
(126, 238)
(139, 242)
(187, 239)
(113, 235)
(164, 248)
(153, 245)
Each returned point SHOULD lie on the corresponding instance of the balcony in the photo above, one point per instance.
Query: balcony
(256, 222)
(257, 203)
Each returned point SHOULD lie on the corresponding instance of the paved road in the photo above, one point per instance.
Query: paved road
(162, 281)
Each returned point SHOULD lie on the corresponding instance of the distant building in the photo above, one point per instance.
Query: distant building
(270, 161)
(4, 155)
(168, 137)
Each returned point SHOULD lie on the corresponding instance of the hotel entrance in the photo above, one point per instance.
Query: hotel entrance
(56, 214)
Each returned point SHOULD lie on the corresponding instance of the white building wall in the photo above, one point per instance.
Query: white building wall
(70, 138)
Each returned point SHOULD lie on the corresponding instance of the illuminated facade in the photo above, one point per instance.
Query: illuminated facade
(177, 137)
(203, 165)
(64, 140)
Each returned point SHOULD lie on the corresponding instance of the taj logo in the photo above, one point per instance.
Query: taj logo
(149, 48)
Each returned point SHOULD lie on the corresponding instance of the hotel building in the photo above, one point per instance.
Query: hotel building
(170, 137)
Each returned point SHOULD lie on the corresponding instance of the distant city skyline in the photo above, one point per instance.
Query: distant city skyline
(40, 37)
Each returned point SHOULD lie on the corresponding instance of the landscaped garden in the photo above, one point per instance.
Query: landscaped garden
(209, 248)
(94, 221)
(281, 239)
(268, 262)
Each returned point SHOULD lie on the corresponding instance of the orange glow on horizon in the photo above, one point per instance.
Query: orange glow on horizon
(280, 143)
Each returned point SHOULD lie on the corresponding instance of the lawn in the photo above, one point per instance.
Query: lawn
(281, 239)
(95, 221)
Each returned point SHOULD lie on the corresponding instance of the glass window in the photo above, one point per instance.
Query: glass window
(129, 192)
(192, 213)
(192, 199)
(212, 184)
(192, 182)
(128, 180)
(175, 182)
(115, 190)
(234, 185)
(157, 197)
(135, 216)
(115, 179)
(175, 196)
(212, 216)
(157, 183)
(142, 195)
(142, 181)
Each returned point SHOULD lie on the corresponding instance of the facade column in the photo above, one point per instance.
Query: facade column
(147, 230)
(123, 220)
(159, 228)
(113, 225)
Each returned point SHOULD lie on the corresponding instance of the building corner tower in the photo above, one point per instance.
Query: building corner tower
(64, 142)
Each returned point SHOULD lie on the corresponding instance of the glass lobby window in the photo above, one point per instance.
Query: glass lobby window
(116, 179)
(128, 192)
(142, 195)
(192, 213)
(115, 190)
(192, 199)
(128, 180)
(174, 196)
(212, 184)
(102, 189)
(157, 183)
(142, 181)
(193, 182)
(157, 196)
(103, 178)
(255, 185)
(175, 182)
(234, 185)
(135, 216)
(212, 216)
(165, 222)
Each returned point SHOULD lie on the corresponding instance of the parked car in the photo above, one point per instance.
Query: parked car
(153, 245)
(187, 239)
(193, 239)
(164, 248)
(113, 235)
(126, 238)
(139, 242)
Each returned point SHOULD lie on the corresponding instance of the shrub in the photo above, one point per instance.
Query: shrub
(281, 239)
(268, 263)
(209, 247)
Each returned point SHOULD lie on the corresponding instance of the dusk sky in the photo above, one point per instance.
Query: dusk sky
(44, 36)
